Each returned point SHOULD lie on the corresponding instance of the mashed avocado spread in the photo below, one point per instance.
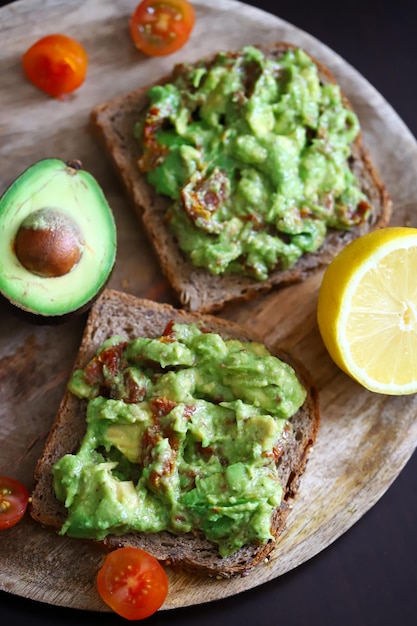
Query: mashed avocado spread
(183, 433)
(253, 151)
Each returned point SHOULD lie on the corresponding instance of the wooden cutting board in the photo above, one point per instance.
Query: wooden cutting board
(364, 439)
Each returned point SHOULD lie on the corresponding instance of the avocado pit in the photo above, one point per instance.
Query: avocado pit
(49, 243)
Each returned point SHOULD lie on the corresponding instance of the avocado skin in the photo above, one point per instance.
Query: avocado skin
(59, 185)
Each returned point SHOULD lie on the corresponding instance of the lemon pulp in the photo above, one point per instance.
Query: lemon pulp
(367, 310)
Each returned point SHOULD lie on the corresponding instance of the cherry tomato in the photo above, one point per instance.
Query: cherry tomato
(14, 498)
(159, 27)
(56, 64)
(132, 583)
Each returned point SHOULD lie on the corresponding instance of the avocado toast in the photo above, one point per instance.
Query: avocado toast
(124, 316)
(247, 169)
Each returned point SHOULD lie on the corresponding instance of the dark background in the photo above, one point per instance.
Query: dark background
(368, 577)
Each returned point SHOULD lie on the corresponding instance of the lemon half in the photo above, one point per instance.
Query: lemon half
(367, 310)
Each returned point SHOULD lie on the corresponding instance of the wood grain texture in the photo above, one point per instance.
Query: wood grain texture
(364, 440)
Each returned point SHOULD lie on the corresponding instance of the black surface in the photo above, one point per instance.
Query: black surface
(369, 576)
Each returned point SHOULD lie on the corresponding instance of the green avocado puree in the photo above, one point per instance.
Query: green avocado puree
(182, 434)
(253, 151)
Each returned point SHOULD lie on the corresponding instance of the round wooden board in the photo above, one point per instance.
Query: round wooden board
(364, 439)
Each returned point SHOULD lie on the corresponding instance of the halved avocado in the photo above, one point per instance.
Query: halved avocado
(57, 240)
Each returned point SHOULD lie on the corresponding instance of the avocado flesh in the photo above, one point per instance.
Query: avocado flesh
(53, 184)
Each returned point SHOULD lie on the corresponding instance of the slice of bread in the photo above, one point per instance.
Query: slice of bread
(196, 288)
(123, 314)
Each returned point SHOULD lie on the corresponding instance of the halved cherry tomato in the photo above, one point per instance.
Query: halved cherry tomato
(159, 27)
(14, 498)
(56, 64)
(132, 583)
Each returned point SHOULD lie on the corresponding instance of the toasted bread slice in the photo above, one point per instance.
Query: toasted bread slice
(123, 314)
(196, 288)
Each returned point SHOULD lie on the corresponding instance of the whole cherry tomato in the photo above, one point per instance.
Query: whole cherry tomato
(14, 498)
(132, 583)
(159, 27)
(56, 64)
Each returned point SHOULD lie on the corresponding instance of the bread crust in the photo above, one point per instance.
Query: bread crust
(120, 313)
(196, 288)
